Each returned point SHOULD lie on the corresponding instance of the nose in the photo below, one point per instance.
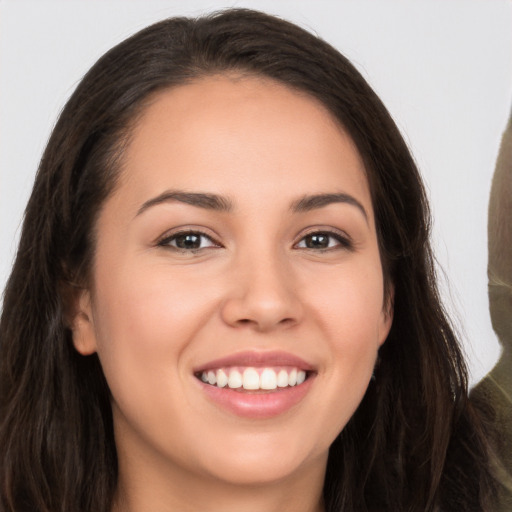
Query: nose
(263, 295)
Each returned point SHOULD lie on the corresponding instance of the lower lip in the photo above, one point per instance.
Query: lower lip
(258, 405)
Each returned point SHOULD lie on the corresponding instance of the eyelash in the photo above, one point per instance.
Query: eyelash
(343, 241)
(167, 240)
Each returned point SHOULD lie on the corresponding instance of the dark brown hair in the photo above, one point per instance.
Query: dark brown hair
(413, 444)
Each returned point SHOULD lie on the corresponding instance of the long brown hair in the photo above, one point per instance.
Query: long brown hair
(413, 444)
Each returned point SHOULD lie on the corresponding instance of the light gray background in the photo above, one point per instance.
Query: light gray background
(444, 70)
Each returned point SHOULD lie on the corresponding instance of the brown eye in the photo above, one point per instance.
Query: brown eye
(188, 241)
(323, 240)
(317, 241)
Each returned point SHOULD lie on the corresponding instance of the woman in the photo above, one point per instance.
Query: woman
(224, 295)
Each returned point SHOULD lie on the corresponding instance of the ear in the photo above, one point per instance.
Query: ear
(388, 309)
(82, 325)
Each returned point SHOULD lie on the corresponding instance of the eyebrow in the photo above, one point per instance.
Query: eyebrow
(223, 204)
(199, 199)
(313, 202)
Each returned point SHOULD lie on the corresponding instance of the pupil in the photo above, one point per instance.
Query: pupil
(317, 241)
(188, 241)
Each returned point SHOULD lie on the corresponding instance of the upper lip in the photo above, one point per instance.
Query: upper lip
(257, 359)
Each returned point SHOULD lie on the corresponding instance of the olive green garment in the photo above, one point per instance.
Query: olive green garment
(495, 390)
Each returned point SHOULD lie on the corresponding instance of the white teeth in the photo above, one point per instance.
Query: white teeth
(254, 378)
(235, 379)
(222, 378)
(268, 379)
(251, 379)
(282, 379)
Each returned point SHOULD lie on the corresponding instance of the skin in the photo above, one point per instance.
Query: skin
(154, 313)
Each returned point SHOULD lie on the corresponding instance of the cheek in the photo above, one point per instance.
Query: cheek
(349, 310)
(349, 305)
(144, 319)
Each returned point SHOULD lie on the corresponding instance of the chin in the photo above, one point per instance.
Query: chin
(257, 472)
(265, 461)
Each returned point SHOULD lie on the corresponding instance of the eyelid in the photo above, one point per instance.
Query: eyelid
(162, 241)
(344, 239)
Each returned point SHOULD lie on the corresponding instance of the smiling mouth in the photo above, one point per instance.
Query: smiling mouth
(254, 379)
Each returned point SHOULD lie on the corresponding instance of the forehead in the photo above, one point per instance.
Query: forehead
(235, 134)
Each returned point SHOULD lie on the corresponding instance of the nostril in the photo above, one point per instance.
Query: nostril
(261, 311)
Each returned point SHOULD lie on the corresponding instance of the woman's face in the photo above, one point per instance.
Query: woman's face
(239, 248)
